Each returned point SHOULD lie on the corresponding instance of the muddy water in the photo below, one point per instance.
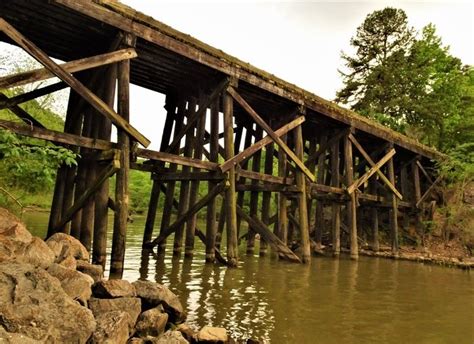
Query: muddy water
(330, 301)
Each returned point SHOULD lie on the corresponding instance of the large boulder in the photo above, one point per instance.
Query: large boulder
(35, 252)
(210, 334)
(56, 243)
(12, 227)
(154, 294)
(113, 288)
(33, 303)
(112, 328)
(93, 270)
(130, 305)
(152, 322)
(171, 337)
(16, 338)
(76, 284)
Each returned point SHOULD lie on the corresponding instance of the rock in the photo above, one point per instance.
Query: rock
(210, 334)
(113, 288)
(171, 337)
(33, 303)
(112, 327)
(57, 241)
(152, 322)
(11, 226)
(76, 284)
(93, 270)
(66, 258)
(16, 338)
(130, 305)
(136, 340)
(187, 332)
(38, 254)
(154, 294)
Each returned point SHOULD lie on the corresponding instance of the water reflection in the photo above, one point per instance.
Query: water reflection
(329, 301)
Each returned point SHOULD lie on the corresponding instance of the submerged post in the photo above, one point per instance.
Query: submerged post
(351, 205)
(393, 212)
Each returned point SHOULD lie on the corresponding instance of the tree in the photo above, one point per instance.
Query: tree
(381, 42)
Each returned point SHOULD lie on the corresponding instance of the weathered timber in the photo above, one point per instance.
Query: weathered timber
(270, 132)
(22, 114)
(406, 194)
(393, 212)
(176, 159)
(335, 208)
(428, 191)
(6, 102)
(254, 195)
(417, 195)
(319, 213)
(178, 176)
(40, 74)
(351, 205)
(73, 82)
(269, 237)
(248, 152)
(324, 147)
(240, 178)
(288, 189)
(425, 173)
(282, 226)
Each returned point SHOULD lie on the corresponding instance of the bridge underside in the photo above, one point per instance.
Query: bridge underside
(299, 171)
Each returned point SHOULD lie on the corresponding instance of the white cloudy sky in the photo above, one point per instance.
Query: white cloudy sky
(299, 41)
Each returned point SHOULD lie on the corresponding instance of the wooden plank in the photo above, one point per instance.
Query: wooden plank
(267, 188)
(361, 180)
(316, 188)
(270, 132)
(269, 237)
(182, 219)
(248, 152)
(176, 159)
(104, 175)
(428, 192)
(69, 79)
(56, 136)
(178, 176)
(40, 74)
(371, 162)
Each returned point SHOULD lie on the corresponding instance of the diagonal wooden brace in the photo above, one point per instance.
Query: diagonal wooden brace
(270, 132)
(428, 192)
(22, 114)
(186, 216)
(236, 159)
(75, 84)
(422, 169)
(104, 175)
(370, 172)
(372, 164)
(314, 156)
(6, 102)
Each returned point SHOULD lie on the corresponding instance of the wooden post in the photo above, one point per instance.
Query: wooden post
(319, 215)
(266, 199)
(185, 187)
(198, 148)
(406, 196)
(230, 197)
(417, 197)
(282, 199)
(211, 225)
(241, 194)
(170, 106)
(352, 203)
(254, 195)
(374, 215)
(302, 205)
(335, 208)
(122, 177)
(393, 212)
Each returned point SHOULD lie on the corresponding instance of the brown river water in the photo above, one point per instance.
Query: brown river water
(372, 300)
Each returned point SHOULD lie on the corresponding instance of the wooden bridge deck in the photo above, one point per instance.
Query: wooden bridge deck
(336, 169)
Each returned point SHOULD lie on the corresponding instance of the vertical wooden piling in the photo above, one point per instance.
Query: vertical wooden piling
(406, 196)
(319, 214)
(267, 195)
(230, 197)
(351, 204)
(374, 215)
(122, 176)
(302, 205)
(211, 224)
(417, 197)
(244, 165)
(393, 212)
(254, 195)
(282, 199)
(335, 208)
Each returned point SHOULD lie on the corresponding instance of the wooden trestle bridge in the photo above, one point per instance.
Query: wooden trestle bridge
(331, 175)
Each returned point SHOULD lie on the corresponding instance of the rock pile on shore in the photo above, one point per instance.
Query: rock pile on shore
(50, 293)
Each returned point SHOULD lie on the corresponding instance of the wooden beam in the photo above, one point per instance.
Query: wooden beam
(69, 79)
(176, 159)
(178, 176)
(270, 132)
(267, 188)
(422, 169)
(323, 147)
(371, 171)
(267, 178)
(186, 216)
(104, 175)
(56, 136)
(22, 114)
(269, 237)
(40, 74)
(372, 163)
(428, 192)
(6, 102)
(245, 154)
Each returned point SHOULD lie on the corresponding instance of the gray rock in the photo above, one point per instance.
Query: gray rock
(154, 294)
(171, 337)
(57, 241)
(93, 270)
(210, 334)
(113, 288)
(152, 322)
(130, 305)
(33, 303)
(112, 328)
(76, 284)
